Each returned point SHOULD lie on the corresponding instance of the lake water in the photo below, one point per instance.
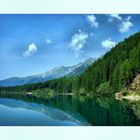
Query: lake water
(67, 111)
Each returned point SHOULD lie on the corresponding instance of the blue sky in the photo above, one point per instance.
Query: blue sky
(33, 44)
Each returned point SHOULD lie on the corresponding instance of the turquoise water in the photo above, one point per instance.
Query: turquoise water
(17, 112)
(66, 111)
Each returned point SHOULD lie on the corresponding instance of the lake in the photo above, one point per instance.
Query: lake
(67, 111)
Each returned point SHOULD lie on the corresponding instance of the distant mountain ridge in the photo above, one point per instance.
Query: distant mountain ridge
(49, 75)
(81, 67)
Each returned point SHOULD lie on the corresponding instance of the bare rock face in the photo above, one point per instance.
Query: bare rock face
(135, 86)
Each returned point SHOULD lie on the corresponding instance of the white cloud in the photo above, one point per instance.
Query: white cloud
(48, 41)
(108, 43)
(30, 51)
(125, 25)
(78, 42)
(114, 16)
(92, 20)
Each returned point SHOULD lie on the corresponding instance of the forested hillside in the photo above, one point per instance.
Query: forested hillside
(109, 74)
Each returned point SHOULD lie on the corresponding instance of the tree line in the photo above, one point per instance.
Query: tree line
(108, 74)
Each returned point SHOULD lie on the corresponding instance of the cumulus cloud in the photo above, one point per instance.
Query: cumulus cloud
(78, 42)
(48, 41)
(32, 49)
(108, 43)
(92, 20)
(114, 16)
(125, 25)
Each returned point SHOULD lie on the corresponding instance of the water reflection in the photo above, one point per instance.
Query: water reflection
(99, 111)
(18, 112)
(84, 111)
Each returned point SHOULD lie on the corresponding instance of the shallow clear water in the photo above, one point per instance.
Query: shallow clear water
(66, 111)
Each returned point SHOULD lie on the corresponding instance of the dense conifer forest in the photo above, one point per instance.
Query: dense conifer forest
(109, 74)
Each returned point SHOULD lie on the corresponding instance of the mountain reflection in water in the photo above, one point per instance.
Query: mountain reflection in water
(65, 110)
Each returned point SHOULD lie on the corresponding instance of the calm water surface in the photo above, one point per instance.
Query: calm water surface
(67, 111)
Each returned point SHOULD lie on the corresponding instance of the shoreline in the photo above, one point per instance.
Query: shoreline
(130, 96)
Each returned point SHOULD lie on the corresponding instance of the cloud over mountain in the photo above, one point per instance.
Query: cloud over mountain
(108, 43)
